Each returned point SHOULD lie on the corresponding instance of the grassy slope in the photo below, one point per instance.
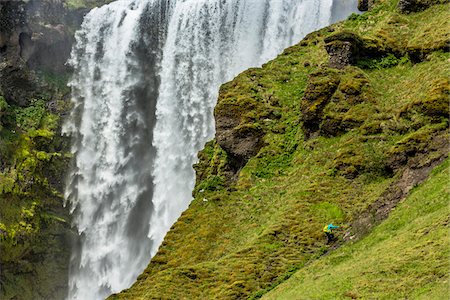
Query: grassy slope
(406, 257)
(242, 237)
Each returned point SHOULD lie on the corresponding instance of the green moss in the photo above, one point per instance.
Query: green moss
(29, 117)
(34, 249)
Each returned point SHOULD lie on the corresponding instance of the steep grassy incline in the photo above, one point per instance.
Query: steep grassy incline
(300, 144)
(406, 257)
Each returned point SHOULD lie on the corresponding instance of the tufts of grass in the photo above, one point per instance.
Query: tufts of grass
(404, 257)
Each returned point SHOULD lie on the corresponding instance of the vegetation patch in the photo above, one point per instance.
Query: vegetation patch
(405, 256)
(34, 226)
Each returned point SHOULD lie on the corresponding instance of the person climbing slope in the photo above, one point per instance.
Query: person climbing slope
(328, 229)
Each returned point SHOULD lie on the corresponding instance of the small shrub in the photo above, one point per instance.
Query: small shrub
(387, 61)
(30, 117)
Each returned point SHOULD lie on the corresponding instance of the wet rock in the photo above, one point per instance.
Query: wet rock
(12, 22)
(38, 31)
(48, 48)
(18, 84)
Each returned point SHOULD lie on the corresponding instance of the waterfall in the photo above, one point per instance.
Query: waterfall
(146, 79)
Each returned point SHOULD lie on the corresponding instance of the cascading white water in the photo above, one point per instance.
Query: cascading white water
(146, 79)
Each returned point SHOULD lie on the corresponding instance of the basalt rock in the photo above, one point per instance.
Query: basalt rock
(365, 5)
(40, 32)
(347, 48)
(241, 142)
(344, 49)
(18, 84)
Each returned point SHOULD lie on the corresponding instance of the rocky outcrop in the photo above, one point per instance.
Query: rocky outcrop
(321, 87)
(34, 36)
(344, 49)
(365, 5)
(41, 31)
(330, 103)
(240, 142)
(38, 32)
(347, 48)
(240, 119)
(409, 6)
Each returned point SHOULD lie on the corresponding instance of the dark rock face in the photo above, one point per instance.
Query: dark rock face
(38, 32)
(12, 22)
(35, 35)
(409, 6)
(18, 84)
(240, 142)
(344, 49)
(365, 5)
(239, 132)
(341, 54)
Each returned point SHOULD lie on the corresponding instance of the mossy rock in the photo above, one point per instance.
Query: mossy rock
(437, 103)
(241, 110)
(321, 87)
(409, 6)
(336, 101)
(212, 171)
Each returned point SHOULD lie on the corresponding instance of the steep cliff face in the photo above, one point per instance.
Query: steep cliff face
(338, 128)
(35, 42)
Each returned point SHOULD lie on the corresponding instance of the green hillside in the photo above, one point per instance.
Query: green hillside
(406, 257)
(300, 144)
